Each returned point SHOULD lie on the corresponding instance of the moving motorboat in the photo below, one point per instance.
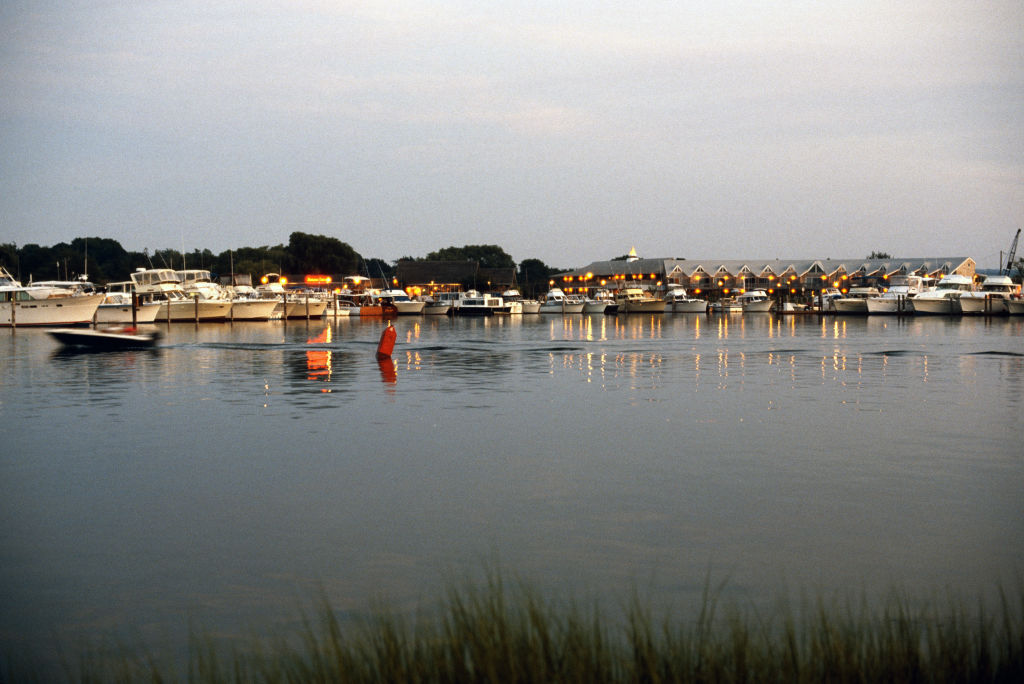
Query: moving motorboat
(107, 339)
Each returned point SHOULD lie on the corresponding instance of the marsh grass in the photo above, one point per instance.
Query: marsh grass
(497, 632)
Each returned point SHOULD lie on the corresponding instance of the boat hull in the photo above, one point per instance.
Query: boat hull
(76, 310)
(105, 340)
(937, 306)
(984, 305)
(122, 313)
(692, 306)
(187, 311)
(252, 309)
(890, 305)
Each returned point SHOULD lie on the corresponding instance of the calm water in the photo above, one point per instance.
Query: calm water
(227, 479)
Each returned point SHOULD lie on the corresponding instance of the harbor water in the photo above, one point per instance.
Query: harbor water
(230, 479)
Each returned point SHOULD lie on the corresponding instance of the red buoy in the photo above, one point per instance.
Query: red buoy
(387, 342)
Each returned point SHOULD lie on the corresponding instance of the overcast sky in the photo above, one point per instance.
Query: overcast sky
(566, 131)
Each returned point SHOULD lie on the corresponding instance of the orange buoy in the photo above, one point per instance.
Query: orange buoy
(387, 342)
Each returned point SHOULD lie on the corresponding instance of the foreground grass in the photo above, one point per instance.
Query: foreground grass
(497, 633)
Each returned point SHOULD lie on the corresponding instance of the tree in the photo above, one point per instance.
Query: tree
(533, 276)
(879, 255)
(486, 256)
(320, 254)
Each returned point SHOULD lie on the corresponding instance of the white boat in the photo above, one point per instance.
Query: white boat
(855, 301)
(556, 301)
(898, 297)
(406, 306)
(726, 305)
(996, 291)
(822, 301)
(41, 306)
(432, 307)
(245, 304)
(290, 303)
(472, 303)
(162, 285)
(755, 301)
(600, 302)
(117, 306)
(632, 299)
(945, 298)
(679, 301)
(1015, 307)
(517, 305)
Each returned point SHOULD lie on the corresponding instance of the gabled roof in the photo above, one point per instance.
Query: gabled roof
(777, 267)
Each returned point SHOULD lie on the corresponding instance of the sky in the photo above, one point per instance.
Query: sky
(564, 131)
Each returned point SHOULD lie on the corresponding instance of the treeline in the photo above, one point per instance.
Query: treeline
(104, 260)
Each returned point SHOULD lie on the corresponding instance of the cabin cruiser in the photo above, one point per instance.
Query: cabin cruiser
(601, 302)
(556, 301)
(117, 306)
(162, 285)
(945, 298)
(1015, 307)
(432, 307)
(898, 298)
(855, 301)
(35, 305)
(755, 301)
(246, 302)
(472, 303)
(199, 282)
(290, 304)
(726, 305)
(403, 303)
(996, 291)
(517, 304)
(678, 301)
(632, 299)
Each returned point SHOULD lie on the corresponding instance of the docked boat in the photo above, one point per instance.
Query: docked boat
(525, 306)
(405, 305)
(163, 286)
(855, 301)
(556, 301)
(117, 306)
(632, 299)
(290, 303)
(677, 300)
(726, 305)
(755, 301)
(600, 302)
(245, 303)
(106, 339)
(472, 303)
(945, 298)
(898, 297)
(432, 307)
(1015, 307)
(42, 306)
(996, 291)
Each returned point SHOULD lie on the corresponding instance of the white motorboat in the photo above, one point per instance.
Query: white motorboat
(632, 299)
(726, 305)
(245, 303)
(290, 303)
(898, 297)
(106, 339)
(42, 306)
(406, 306)
(117, 306)
(556, 301)
(992, 298)
(517, 305)
(600, 302)
(472, 303)
(679, 301)
(855, 301)
(1015, 307)
(754, 301)
(162, 285)
(945, 298)
(432, 307)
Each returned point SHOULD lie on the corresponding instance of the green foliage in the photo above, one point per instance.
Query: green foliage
(487, 256)
(879, 255)
(532, 276)
(493, 632)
